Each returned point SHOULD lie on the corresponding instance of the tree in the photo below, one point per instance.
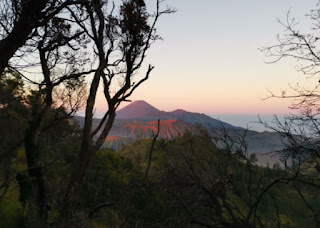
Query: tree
(301, 156)
(13, 113)
(19, 20)
(120, 43)
(67, 43)
(253, 158)
(221, 187)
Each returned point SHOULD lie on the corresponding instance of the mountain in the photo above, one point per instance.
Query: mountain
(139, 120)
(202, 119)
(141, 110)
(137, 110)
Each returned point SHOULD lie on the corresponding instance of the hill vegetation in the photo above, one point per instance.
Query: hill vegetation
(190, 183)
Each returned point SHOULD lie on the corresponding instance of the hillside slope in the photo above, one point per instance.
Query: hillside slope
(139, 120)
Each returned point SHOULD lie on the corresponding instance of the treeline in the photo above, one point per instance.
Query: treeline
(184, 182)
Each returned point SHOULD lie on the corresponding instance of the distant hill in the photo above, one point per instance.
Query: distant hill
(141, 110)
(139, 120)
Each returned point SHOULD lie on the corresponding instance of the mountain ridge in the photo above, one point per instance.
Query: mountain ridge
(141, 110)
(139, 120)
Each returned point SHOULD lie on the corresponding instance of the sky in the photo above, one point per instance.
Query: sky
(210, 62)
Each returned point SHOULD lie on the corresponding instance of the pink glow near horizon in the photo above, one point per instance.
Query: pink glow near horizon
(270, 107)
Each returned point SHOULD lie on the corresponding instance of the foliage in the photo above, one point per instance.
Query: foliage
(43, 93)
(301, 155)
(202, 185)
(187, 186)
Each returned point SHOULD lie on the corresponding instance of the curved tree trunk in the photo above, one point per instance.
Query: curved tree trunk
(88, 148)
(35, 170)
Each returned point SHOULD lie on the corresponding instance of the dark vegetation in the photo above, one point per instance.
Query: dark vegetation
(54, 173)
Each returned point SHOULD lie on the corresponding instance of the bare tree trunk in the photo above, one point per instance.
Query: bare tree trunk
(35, 169)
(87, 150)
(33, 155)
(32, 150)
(80, 169)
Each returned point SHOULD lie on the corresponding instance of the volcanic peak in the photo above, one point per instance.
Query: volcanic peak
(136, 110)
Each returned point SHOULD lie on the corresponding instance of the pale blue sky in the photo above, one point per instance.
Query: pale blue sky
(209, 60)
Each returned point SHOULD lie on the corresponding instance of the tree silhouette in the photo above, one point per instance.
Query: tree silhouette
(301, 155)
(69, 41)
